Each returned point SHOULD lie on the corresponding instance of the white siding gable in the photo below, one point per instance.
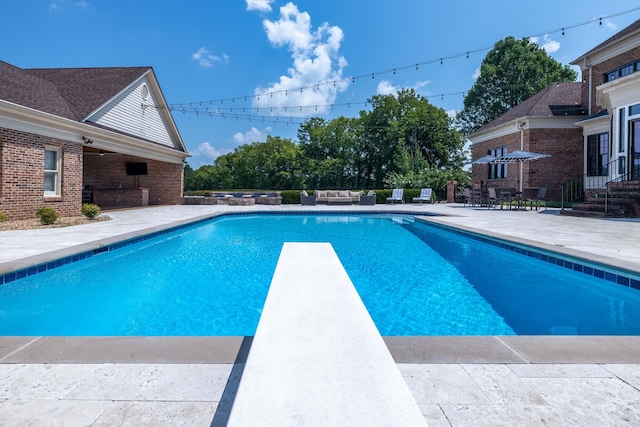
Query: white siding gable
(136, 115)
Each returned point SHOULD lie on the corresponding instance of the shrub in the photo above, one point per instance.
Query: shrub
(90, 210)
(3, 217)
(47, 215)
(290, 197)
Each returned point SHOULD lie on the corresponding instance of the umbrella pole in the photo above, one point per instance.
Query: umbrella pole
(520, 165)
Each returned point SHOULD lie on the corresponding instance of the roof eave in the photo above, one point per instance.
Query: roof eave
(27, 119)
(602, 47)
(164, 110)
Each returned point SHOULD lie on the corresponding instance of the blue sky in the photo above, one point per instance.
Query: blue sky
(259, 67)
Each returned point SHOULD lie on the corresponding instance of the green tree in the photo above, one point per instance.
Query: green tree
(405, 133)
(329, 150)
(188, 183)
(261, 165)
(513, 71)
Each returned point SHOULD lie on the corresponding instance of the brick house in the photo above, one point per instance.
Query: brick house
(102, 130)
(590, 128)
(611, 90)
(544, 123)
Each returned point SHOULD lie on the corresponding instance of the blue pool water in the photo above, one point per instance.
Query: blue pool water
(415, 279)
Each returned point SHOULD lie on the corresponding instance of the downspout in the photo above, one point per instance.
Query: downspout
(521, 125)
(590, 85)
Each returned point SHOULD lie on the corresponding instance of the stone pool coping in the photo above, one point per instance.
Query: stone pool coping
(521, 349)
(421, 349)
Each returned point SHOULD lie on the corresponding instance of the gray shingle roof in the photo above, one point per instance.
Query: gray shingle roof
(624, 33)
(71, 93)
(558, 97)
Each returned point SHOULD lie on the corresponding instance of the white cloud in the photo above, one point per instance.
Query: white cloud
(610, 25)
(259, 5)
(476, 74)
(206, 154)
(253, 135)
(452, 113)
(207, 59)
(317, 66)
(550, 46)
(55, 5)
(385, 87)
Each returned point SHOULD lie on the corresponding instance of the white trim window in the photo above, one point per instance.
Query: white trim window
(52, 171)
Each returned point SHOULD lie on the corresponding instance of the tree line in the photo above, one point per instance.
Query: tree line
(403, 141)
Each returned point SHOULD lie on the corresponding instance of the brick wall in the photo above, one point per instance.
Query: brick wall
(22, 175)
(598, 75)
(566, 162)
(108, 172)
(480, 173)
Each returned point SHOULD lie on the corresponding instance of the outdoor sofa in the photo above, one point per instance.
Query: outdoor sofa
(331, 197)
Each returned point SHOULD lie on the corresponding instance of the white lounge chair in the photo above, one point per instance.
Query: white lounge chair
(425, 196)
(396, 196)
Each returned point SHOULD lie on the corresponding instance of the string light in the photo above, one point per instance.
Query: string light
(562, 31)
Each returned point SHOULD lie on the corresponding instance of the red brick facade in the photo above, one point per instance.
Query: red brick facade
(564, 145)
(108, 172)
(22, 175)
(598, 74)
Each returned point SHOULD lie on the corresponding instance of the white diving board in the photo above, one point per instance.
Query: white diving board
(317, 358)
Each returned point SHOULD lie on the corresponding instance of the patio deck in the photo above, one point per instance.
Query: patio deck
(455, 380)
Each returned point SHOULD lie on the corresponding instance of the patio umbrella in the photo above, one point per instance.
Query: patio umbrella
(518, 156)
(484, 160)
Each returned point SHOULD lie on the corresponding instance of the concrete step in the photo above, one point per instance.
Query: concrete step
(582, 213)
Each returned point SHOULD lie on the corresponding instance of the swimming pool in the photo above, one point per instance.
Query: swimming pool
(414, 278)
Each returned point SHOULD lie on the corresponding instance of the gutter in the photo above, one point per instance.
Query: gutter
(18, 117)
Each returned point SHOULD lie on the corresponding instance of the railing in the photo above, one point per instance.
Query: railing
(576, 191)
(573, 191)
